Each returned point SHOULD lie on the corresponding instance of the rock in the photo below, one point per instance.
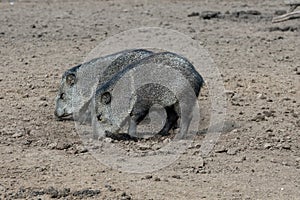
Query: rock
(267, 146)
(259, 117)
(143, 147)
(297, 70)
(25, 119)
(63, 146)
(110, 188)
(269, 113)
(52, 192)
(261, 96)
(221, 149)
(85, 193)
(52, 145)
(237, 98)
(25, 96)
(176, 176)
(245, 14)
(282, 29)
(229, 93)
(280, 12)
(210, 14)
(107, 140)
(43, 104)
(27, 142)
(18, 134)
(194, 14)
(286, 146)
(148, 176)
(80, 149)
(43, 98)
(200, 162)
(36, 192)
(166, 141)
(239, 85)
(233, 151)
(253, 12)
(298, 123)
(64, 192)
(240, 159)
(125, 196)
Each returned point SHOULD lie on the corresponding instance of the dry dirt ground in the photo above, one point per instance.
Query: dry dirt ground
(256, 157)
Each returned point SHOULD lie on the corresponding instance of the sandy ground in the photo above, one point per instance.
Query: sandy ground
(258, 157)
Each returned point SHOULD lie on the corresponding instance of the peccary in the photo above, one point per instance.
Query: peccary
(79, 82)
(166, 79)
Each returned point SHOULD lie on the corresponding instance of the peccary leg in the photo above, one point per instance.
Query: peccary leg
(184, 126)
(135, 118)
(132, 127)
(185, 120)
(172, 118)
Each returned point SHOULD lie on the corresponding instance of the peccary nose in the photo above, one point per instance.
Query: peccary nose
(57, 116)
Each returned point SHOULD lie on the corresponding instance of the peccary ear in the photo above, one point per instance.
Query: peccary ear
(106, 98)
(71, 79)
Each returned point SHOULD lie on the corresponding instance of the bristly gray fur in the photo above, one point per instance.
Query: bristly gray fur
(71, 98)
(149, 94)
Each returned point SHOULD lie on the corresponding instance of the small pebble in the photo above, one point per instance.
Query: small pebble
(220, 149)
(286, 146)
(261, 96)
(194, 14)
(166, 141)
(233, 151)
(267, 146)
(144, 147)
(17, 135)
(107, 140)
(240, 159)
(52, 145)
(148, 176)
(176, 176)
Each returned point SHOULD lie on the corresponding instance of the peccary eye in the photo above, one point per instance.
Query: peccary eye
(71, 79)
(106, 98)
(62, 96)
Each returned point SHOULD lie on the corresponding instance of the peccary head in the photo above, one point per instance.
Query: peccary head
(110, 104)
(64, 102)
(78, 83)
(103, 111)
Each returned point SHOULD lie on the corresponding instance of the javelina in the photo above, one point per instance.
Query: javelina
(78, 83)
(166, 79)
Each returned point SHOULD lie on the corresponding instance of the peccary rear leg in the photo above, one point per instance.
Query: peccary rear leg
(185, 120)
(171, 121)
(184, 127)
